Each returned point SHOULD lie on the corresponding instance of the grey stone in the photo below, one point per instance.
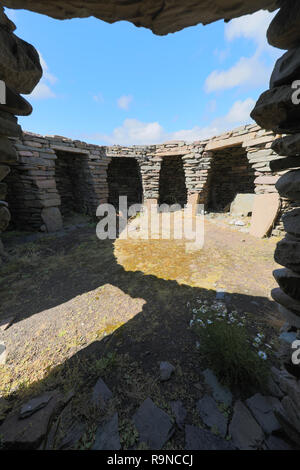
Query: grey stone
(287, 68)
(8, 153)
(52, 219)
(8, 127)
(166, 370)
(283, 31)
(245, 431)
(284, 163)
(15, 103)
(28, 433)
(4, 171)
(107, 435)
(287, 254)
(274, 389)
(19, 63)
(35, 404)
(276, 111)
(285, 300)
(200, 439)
(4, 218)
(220, 393)
(289, 145)
(242, 204)
(291, 222)
(292, 317)
(3, 190)
(153, 424)
(291, 410)
(275, 443)
(288, 281)
(160, 18)
(262, 409)
(179, 412)
(211, 415)
(288, 185)
(101, 393)
(3, 353)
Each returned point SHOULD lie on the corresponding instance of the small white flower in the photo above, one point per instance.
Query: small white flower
(262, 355)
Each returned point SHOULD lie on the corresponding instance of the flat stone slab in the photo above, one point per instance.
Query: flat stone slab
(52, 219)
(265, 210)
(166, 370)
(200, 439)
(28, 433)
(35, 404)
(179, 412)
(107, 435)
(101, 393)
(211, 415)
(153, 424)
(242, 205)
(245, 431)
(288, 281)
(220, 393)
(262, 410)
(283, 299)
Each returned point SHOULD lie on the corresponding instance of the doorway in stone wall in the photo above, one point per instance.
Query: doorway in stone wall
(124, 179)
(71, 175)
(172, 187)
(231, 174)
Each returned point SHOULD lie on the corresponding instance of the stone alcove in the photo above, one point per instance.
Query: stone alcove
(230, 174)
(172, 181)
(71, 172)
(124, 179)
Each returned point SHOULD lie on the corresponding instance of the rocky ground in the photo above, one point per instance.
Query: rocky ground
(99, 349)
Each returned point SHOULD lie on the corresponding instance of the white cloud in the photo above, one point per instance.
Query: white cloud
(135, 132)
(124, 102)
(252, 27)
(43, 89)
(132, 132)
(247, 71)
(240, 111)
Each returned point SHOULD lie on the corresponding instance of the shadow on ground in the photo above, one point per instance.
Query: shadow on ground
(144, 320)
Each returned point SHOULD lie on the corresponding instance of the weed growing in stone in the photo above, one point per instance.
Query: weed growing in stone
(228, 348)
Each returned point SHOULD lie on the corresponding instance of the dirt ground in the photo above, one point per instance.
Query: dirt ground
(83, 307)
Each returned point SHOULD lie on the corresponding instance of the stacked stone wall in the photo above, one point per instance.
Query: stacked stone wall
(34, 182)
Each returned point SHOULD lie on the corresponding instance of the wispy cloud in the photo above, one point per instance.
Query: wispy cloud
(135, 132)
(251, 71)
(43, 89)
(124, 102)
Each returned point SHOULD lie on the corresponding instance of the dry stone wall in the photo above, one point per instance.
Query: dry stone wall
(277, 110)
(57, 172)
(20, 71)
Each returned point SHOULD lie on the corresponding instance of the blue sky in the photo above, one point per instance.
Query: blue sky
(118, 84)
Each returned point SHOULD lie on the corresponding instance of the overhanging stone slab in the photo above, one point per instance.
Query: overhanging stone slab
(65, 148)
